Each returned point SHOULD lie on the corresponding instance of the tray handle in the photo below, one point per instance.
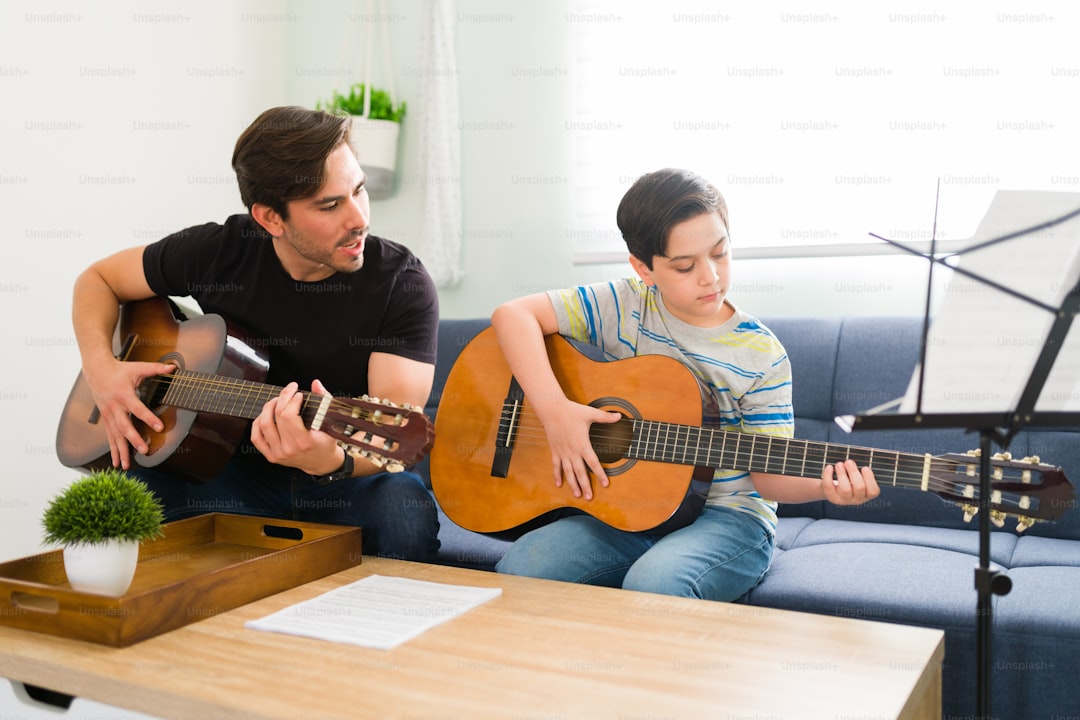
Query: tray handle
(283, 532)
(31, 602)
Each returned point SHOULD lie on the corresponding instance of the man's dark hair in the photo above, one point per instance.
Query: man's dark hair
(282, 155)
(658, 201)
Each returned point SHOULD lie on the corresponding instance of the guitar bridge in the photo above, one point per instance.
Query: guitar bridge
(508, 424)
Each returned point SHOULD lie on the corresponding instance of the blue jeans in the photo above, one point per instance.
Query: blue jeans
(395, 510)
(722, 555)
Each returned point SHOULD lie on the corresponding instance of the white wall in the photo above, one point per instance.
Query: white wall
(119, 123)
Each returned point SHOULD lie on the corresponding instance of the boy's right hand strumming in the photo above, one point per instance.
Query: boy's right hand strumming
(521, 325)
(567, 424)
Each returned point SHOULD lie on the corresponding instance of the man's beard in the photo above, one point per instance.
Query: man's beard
(330, 258)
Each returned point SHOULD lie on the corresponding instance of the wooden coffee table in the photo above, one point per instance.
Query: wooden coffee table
(541, 649)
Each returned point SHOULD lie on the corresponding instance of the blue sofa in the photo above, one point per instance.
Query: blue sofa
(907, 557)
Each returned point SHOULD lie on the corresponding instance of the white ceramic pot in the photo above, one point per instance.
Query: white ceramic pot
(376, 145)
(105, 568)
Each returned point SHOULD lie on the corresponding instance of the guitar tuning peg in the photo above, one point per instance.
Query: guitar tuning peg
(1021, 526)
(998, 518)
(371, 457)
(1032, 459)
(395, 467)
(1002, 456)
(969, 512)
(975, 453)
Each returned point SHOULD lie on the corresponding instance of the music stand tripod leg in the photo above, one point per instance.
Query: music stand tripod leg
(989, 581)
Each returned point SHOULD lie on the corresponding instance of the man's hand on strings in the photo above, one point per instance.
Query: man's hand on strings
(113, 385)
(280, 434)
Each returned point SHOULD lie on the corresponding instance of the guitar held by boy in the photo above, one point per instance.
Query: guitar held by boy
(491, 468)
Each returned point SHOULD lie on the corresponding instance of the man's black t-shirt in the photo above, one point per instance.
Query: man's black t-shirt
(326, 329)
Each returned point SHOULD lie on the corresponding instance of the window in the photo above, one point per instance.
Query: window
(824, 123)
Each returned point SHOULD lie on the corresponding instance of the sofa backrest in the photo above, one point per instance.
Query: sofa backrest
(848, 365)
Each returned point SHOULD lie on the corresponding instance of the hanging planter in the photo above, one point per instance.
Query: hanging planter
(376, 145)
(375, 132)
(376, 127)
(100, 520)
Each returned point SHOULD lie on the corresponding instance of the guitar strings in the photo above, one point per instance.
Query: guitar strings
(186, 381)
(528, 429)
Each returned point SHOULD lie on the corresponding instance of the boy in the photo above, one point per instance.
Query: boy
(675, 225)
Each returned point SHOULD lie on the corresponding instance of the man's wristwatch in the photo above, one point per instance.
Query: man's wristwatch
(346, 470)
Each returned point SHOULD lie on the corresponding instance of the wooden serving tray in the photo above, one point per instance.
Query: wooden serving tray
(202, 566)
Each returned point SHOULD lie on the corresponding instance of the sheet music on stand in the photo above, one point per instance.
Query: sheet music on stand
(1001, 352)
(985, 339)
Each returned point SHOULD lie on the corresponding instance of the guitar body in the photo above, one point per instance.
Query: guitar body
(642, 495)
(196, 445)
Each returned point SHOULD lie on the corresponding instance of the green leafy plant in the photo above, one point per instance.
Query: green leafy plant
(103, 505)
(382, 108)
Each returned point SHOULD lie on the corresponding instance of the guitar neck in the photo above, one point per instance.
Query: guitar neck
(203, 392)
(729, 449)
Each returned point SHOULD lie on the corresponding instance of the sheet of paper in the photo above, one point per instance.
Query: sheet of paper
(983, 342)
(377, 612)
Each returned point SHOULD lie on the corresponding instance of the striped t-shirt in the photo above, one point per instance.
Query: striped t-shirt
(741, 364)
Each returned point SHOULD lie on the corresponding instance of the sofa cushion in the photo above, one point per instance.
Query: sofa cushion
(788, 531)
(1034, 552)
(893, 582)
(840, 532)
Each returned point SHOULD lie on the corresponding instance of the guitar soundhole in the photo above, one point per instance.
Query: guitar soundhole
(153, 389)
(611, 441)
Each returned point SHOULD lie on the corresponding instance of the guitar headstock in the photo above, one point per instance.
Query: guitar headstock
(1025, 489)
(385, 433)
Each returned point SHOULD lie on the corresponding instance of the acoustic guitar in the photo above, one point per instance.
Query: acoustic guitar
(215, 391)
(491, 468)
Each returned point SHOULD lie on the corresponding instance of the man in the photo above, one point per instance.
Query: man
(335, 308)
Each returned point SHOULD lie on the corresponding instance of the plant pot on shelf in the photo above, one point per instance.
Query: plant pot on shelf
(105, 568)
(375, 143)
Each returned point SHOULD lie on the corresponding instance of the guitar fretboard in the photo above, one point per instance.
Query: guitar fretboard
(203, 392)
(728, 449)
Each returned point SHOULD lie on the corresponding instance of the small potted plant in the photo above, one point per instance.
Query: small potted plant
(376, 127)
(100, 520)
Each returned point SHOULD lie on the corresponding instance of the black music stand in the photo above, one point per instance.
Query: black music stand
(996, 426)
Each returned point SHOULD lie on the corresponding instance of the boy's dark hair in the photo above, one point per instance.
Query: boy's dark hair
(282, 155)
(658, 201)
